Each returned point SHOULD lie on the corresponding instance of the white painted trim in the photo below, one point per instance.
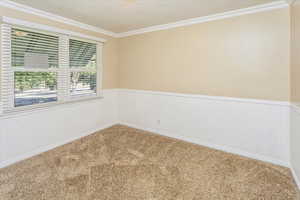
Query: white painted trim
(295, 107)
(52, 146)
(19, 22)
(32, 109)
(227, 149)
(295, 176)
(234, 13)
(50, 106)
(54, 17)
(54, 106)
(217, 98)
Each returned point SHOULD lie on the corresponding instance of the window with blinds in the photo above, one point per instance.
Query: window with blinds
(83, 63)
(34, 60)
(40, 68)
(33, 50)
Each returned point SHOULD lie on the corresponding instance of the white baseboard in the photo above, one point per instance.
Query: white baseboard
(51, 146)
(155, 131)
(161, 132)
(227, 149)
(295, 177)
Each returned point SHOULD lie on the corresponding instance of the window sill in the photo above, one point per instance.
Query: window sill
(17, 112)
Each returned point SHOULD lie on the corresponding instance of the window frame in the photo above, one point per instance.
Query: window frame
(81, 69)
(63, 70)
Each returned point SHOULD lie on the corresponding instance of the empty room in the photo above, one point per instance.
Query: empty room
(150, 100)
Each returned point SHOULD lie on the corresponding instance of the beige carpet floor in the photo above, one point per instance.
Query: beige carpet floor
(121, 163)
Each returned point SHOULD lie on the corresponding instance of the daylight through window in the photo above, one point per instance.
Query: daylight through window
(46, 68)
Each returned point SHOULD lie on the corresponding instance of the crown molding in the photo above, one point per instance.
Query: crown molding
(198, 20)
(54, 17)
(52, 29)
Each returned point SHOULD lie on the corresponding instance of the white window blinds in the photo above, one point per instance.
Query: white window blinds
(7, 75)
(34, 61)
(83, 68)
(33, 50)
(40, 68)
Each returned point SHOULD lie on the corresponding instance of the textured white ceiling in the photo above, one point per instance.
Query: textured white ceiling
(125, 15)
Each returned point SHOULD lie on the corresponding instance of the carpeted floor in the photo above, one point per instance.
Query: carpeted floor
(122, 163)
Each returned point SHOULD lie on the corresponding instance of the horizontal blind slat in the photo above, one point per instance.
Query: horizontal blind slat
(63, 75)
(26, 42)
(7, 90)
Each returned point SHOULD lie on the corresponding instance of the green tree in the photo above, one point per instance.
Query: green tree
(31, 80)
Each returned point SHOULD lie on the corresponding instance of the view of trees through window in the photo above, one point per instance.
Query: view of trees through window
(35, 87)
(83, 64)
(32, 80)
(34, 54)
(83, 83)
(35, 62)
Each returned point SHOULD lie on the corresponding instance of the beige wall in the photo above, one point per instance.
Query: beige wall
(110, 54)
(295, 53)
(245, 56)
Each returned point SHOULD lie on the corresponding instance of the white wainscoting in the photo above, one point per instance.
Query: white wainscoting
(29, 134)
(295, 142)
(254, 128)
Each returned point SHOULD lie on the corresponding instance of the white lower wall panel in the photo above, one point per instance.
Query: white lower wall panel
(253, 128)
(25, 135)
(295, 142)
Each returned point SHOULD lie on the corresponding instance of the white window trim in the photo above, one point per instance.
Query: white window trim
(98, 58)
(63, 94)
(42, 27)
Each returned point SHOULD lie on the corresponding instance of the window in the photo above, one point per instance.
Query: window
(34, 61)
(34, 88)
(83, 63)
(39, 68)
